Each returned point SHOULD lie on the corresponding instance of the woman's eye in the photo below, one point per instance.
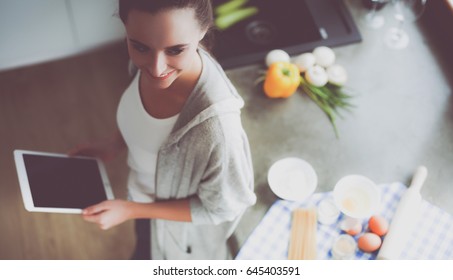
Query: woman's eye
(139, 48)
(174, 52)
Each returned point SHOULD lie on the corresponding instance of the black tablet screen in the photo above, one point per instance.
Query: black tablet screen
(64, 182)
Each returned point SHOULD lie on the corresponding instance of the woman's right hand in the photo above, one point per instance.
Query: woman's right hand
(106, 150)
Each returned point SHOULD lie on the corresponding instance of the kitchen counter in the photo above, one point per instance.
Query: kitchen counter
(403, 118)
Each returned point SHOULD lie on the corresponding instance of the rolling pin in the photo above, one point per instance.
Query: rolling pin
(405, 218)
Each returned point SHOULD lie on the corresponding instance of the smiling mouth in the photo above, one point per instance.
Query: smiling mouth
(164, 76)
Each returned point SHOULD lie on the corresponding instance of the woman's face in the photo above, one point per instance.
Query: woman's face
(163, 45)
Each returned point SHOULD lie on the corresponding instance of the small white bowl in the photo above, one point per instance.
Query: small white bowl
(356, 196)
(292, 179)
(344, 247)
(327, 211)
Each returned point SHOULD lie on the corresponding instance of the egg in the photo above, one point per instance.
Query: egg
(369, 242)
(355, 230)
(277, 56)
(378, 225)
(351, 226)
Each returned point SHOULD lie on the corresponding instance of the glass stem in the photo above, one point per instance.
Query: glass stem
(399, 27)
(373, 10)
(400, 18)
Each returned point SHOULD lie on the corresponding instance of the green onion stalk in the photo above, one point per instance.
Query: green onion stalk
(330, 98)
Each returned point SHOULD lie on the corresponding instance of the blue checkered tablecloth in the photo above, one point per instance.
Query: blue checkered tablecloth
(432, 239)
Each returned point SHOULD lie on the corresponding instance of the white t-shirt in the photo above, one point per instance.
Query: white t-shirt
(143, 135)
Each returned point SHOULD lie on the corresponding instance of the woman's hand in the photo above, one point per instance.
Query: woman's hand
(106, 150)
(108, 213)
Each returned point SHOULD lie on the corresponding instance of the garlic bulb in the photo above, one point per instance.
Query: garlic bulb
(304, 61)
(277, 56)
(316, 76)
(337, 75)
(324, 56)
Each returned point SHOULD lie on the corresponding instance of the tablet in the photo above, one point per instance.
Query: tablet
(57, 183)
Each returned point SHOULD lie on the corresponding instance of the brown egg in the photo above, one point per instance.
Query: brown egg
(354, 230)
(378, 225)
(351, 226)
(369, 242)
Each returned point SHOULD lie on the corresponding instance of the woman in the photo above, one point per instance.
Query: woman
(190, 168)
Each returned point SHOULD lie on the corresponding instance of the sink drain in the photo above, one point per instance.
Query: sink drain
(260, 32)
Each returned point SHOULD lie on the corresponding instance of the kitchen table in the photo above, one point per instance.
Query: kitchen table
(402, 118)
(432, 238)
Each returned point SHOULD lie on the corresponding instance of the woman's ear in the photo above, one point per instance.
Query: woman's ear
(202, 34)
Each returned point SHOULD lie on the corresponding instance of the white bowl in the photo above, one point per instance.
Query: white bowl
(356, 196)
(292, 179)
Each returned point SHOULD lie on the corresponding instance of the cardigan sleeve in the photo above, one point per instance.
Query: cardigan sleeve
(226, 188)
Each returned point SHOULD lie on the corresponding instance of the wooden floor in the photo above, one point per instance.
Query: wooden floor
(52, 107)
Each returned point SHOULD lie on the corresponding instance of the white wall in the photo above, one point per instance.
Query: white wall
(37, 31)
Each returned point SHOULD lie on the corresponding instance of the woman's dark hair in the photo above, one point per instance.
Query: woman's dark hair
(202, 9)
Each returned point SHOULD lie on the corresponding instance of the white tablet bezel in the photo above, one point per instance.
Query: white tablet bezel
(25, 186)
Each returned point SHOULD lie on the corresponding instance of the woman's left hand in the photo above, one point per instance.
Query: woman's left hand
(108, 213)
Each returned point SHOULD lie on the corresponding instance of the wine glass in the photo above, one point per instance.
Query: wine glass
(372, 18)
(405, 11)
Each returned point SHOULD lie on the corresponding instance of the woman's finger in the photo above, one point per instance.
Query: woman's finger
(73, 152)
(78, 150)
(95, 209)
(92, 218)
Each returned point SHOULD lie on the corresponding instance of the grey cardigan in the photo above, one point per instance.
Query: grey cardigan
(206, 158)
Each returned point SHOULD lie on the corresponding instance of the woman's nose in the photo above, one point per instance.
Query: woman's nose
(158, 65)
